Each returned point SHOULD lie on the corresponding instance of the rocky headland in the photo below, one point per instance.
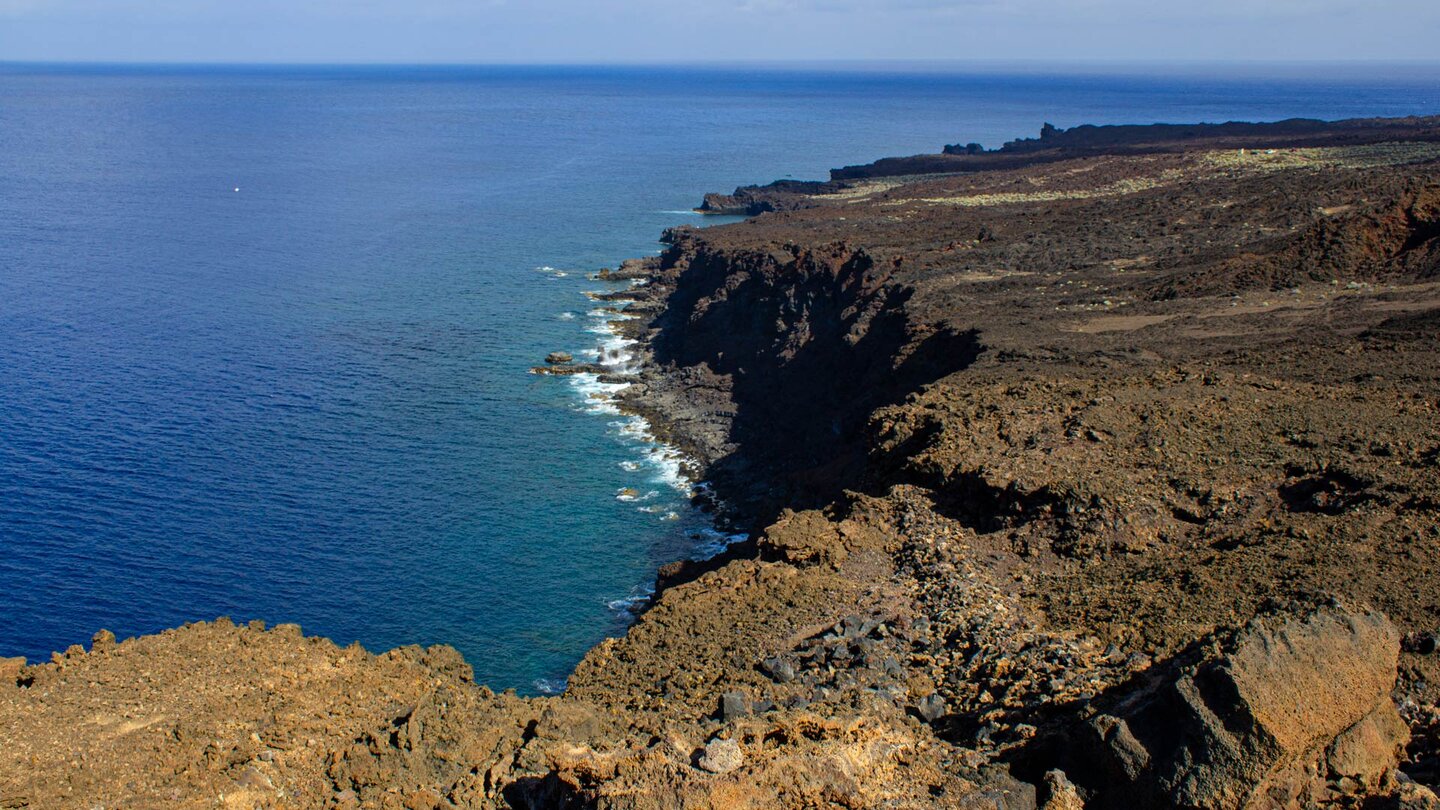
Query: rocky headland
(1100, 470)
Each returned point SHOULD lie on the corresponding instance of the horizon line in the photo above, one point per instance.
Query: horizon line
(875, 62)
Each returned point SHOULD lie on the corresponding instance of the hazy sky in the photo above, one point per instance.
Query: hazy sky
(715, 30)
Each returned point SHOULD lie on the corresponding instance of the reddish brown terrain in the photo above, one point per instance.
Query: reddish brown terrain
(1099, 471)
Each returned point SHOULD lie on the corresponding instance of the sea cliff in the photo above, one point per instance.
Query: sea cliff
(1100, 470)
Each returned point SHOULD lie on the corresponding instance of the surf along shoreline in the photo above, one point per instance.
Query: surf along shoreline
(606, 387)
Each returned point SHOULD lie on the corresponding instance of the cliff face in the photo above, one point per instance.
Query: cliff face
(1108, 479)
(1128, 398)
(800, 345)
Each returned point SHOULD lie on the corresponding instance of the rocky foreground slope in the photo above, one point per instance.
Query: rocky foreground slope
(1106, 477)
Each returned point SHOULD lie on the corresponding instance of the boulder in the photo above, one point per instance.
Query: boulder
(996, 789)
(557, 358)
(930, 708)
(722, 756)
(1411, 796)
(1295, 709)
(733, 705)
(1061, 793)
(803, 539)
(779, 669)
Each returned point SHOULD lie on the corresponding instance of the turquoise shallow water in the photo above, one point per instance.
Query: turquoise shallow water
(307, 400)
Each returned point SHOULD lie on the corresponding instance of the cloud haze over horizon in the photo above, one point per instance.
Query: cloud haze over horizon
(588, 31)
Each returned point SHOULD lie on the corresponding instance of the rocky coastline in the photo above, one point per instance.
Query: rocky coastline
(1100, 470)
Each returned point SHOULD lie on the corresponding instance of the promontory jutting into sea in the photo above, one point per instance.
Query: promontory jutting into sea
(434, 437)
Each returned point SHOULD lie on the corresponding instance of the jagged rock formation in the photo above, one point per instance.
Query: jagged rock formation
(1297, 712)
(1104, 472)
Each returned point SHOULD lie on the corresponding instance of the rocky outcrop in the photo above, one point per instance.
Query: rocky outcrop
(1289, 133)
(1137, 468)
(1294, 712)
(629, 270)
(564, 368)
(1083, 141)
(801, 346)
(782, 195)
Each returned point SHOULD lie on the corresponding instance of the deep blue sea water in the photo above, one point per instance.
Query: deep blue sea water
(307, 400)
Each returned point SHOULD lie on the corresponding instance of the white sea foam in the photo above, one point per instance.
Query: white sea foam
(550, 686)
(710, 542)
(611, 314)
(628, 607)
(566, 316)
(632, 428)
(613, 351)
(601, 328)
(595, 396)
(665, 464)
(669, 466)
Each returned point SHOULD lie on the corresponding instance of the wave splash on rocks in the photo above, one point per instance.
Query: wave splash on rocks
(598, 385)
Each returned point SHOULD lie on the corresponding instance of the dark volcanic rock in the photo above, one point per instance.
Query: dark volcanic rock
(779, 669)
(564, 369)
(930, 708)
(628, 270)
(734, 705)
(1296, 710)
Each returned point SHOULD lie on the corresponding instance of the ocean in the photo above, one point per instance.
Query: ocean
(265, 331)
